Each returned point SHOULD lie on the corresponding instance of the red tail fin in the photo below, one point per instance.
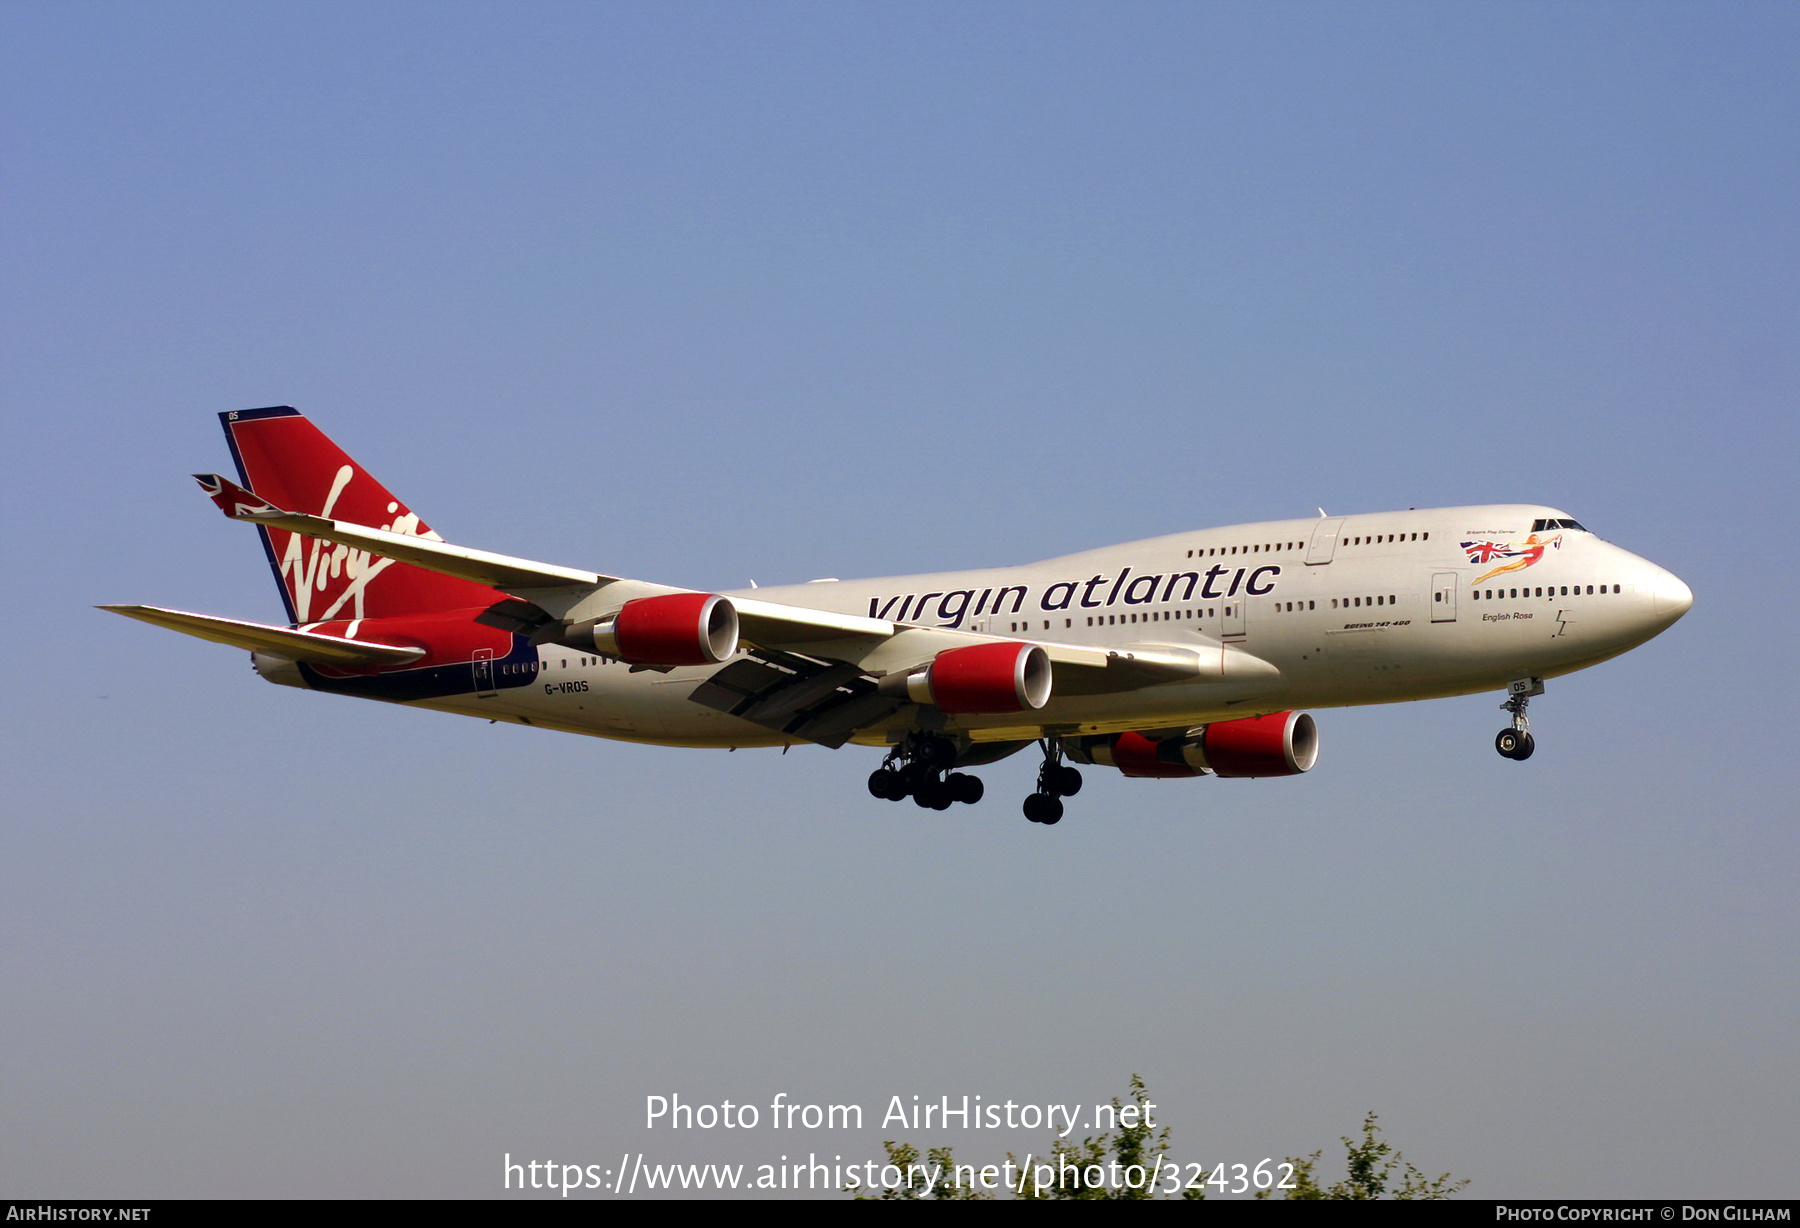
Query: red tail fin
(287, 460)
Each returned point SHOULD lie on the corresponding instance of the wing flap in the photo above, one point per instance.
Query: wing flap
(819, 701)
(281, 641)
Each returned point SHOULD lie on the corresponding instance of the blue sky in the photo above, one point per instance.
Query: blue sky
(711, 293)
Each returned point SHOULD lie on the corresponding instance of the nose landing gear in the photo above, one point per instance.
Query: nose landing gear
(919, 768)
(1056, 780)
(1516, 742)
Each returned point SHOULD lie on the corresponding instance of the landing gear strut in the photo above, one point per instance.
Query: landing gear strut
(1516, 742)
(920, 768)
(1056, 780)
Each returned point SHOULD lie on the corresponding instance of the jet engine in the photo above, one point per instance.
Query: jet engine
(1279, 744)
(673, 629)
(1006, 677)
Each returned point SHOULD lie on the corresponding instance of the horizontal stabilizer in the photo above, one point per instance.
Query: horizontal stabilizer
(495, 570)
(281, 641)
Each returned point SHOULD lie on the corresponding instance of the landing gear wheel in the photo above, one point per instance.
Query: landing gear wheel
(1044, 808)
(965, 788)
(1067, 781)
(1515, 744)
(932, 795)
(886, 784)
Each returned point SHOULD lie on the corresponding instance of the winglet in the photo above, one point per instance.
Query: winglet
(234, 500)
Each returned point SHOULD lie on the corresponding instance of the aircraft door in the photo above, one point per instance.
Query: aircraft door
(1233, 629)
(484, 673)
(1324, 540)
(1443, 597)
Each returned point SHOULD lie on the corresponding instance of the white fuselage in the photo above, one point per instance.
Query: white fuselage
(1360, 609)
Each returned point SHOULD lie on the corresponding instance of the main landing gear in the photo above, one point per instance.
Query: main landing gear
(920, 768)
(1516, 742)
(1056, 780)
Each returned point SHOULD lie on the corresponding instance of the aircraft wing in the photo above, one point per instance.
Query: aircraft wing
(885, 646)
(881, 647)
(432, 553)
(874, 644)
(281, 641)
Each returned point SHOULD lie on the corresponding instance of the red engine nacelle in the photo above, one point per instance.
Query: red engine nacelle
(673, 629)
(1008, 677)
(1279, 744)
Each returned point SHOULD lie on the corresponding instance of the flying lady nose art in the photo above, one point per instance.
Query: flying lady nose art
(1523, 554)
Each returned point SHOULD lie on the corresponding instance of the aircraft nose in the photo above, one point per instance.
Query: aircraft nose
(1672, 597)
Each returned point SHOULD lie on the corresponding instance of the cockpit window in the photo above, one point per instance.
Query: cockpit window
(1540, 526)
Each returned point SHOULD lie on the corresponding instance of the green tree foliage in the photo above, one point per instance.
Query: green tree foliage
(1130, 1163)
(1373, 1169)
(1128, 1158)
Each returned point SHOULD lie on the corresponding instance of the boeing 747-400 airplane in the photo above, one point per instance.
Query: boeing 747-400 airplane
(1176, 656)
